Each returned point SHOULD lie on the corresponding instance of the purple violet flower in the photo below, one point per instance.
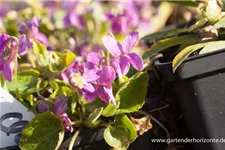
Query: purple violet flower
(82, 82)
(120, 24)
(4, 40)
(72, 19)
(24, 45)
(7, 62)
(30, 32)
(122, 58)
(106, 75)
(59, 109)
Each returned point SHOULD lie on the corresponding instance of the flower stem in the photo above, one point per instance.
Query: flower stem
(107, 58)
(38, 93)
(73, 139)
(16, 63)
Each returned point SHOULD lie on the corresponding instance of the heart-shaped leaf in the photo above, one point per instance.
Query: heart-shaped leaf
(128, 98)
(45, 131)
(121, 134)
(27, 84)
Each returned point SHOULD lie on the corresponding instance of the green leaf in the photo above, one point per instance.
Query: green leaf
(221, 3)
(62, 91)
(41, 52)
(61, 61)
(207, 47)
(128, 98)
(27, 84)
(97, 103)
(54, 85)
(121, 134)
(186, 3)
(213, 46)
(220, 24)
(32, 72)
(198, 24)
(123, 80)
(166, 43)
(45, 131)
(180, 57)
(164, 34)
(93, 117)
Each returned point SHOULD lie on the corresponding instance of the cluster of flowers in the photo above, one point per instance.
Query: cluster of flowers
(10, 46)
(92, 78)
(98, 73)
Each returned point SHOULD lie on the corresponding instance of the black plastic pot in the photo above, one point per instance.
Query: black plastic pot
(90, 139)
(200, 86)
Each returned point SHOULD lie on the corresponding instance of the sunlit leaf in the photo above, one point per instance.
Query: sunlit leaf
(213, 46)
(45, 131)
(186, 3)
(198, 24)
(93, 117)
(60, 61)
(163, 34)
(220, 24)
(180, 57)
(128, 98)
(163, 44)
(41, 52)
(121, 134)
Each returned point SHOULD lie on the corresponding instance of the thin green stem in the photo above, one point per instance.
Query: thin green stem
(16, 63)
(107, 58)
(74, 139)
(38, 93)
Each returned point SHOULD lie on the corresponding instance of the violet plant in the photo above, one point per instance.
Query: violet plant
(97, 82)
(89, 85)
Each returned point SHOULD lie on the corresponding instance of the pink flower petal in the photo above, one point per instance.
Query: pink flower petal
(65, 77)
(124, 65)
(107, 75)
(109, 91)
(89, 96)
(121, 65)
(116, 65)
(1, 65)
(89, 87)
(90, 75)
(130, 41)
(135, 60)
(114, 47)
(102, 94)
(4, 39)
(93, 60)
(105, 93)
(8, 70)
